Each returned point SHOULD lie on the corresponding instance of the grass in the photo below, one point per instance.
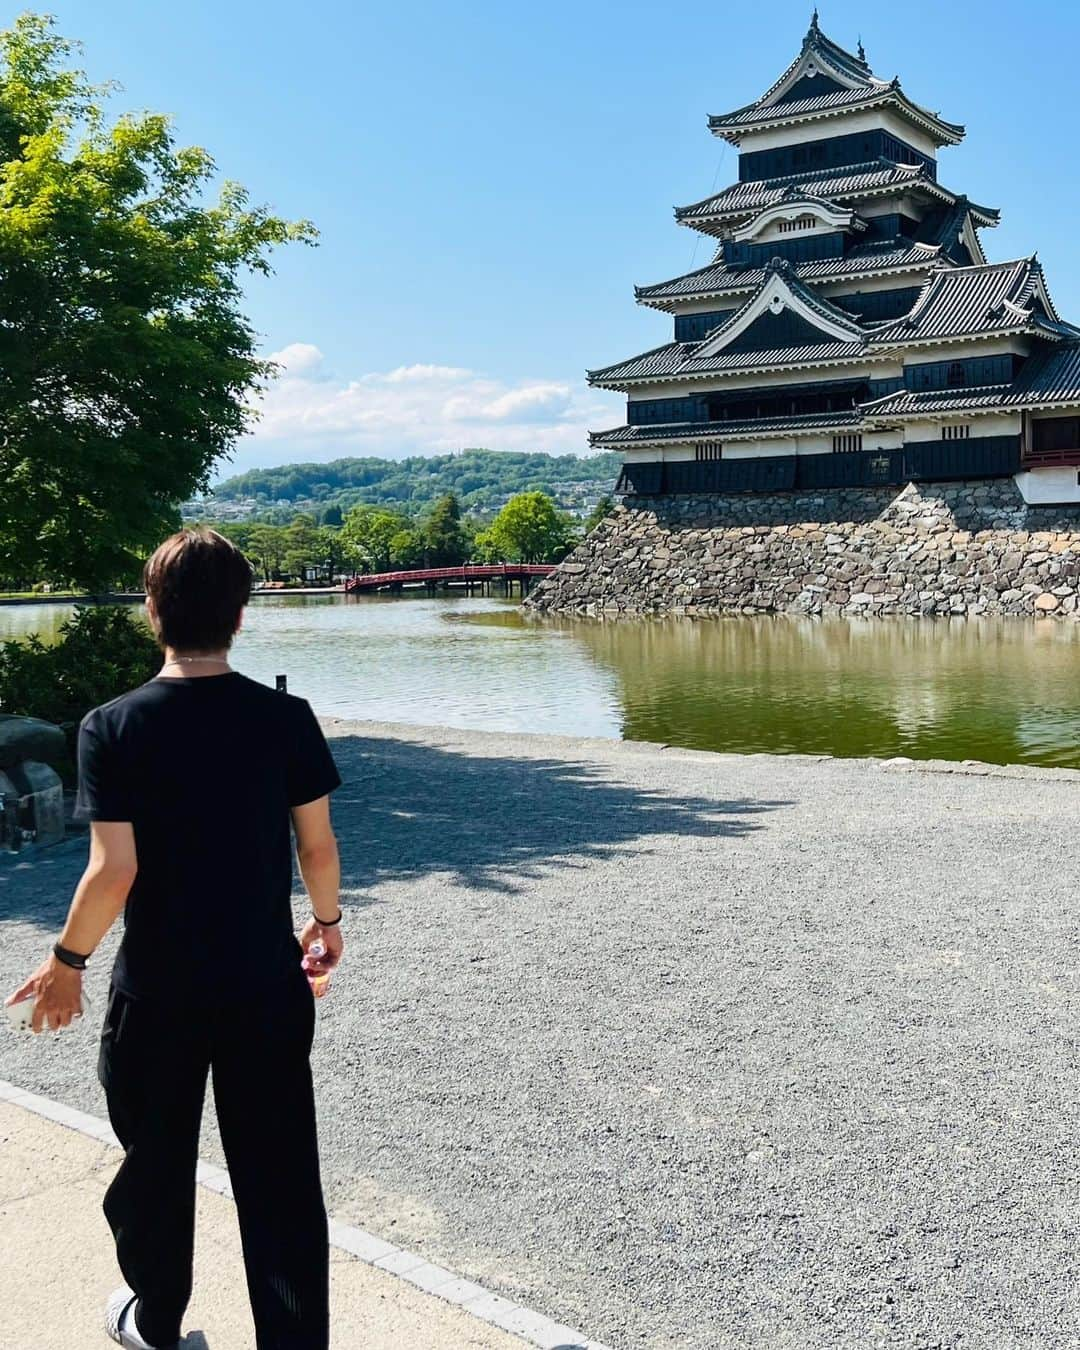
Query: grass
(41, 595)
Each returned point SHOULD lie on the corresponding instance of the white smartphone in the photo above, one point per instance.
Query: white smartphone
(21, 1014)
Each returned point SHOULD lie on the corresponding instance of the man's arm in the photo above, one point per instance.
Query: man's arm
(317, 853)
(99, 897)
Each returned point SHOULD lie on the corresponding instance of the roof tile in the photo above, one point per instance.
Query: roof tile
(968, 301)
(677, 359)
(743, 198)
(777, 426)
(718, 277)
(1051, 376)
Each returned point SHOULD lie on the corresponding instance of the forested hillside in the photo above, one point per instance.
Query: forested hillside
(481, 479)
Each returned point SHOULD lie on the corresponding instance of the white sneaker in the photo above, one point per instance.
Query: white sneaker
(120, 1321)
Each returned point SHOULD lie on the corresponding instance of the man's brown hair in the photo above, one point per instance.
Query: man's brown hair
(199, 582)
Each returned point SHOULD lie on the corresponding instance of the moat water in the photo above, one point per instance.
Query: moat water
(1005, 691)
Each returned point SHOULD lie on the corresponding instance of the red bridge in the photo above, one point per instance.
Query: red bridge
(479, 577)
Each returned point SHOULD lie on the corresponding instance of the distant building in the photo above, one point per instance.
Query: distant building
(849, 330)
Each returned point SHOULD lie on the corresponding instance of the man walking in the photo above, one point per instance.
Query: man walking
(189, 783)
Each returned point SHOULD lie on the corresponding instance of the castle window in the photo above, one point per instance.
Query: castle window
(958, 432)
(799, 223)
(1055, 433)
(843, 445)
(705, 450)
(957, 374)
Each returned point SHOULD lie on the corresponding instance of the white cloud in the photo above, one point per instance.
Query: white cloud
(530, 404)
(411, 374)
(297, 358)
(309, 413)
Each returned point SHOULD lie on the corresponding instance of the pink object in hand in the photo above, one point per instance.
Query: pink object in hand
(319, 981)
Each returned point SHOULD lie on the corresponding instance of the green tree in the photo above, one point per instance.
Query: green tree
(408, 549)
(126, 366)
(266, 549)
(528, 529)
(238, 531)
(333, 553)
(332, 516)
(367, 533)
(446, 543)
(102, 652)
(303, 547)
(600, 511)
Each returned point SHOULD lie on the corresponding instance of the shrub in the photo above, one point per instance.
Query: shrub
(102, 652)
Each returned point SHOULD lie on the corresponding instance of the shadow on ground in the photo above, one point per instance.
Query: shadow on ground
(407, 808)
(493, 822)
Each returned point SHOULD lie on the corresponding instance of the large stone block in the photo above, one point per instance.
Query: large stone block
(24, 738)
(40, 796)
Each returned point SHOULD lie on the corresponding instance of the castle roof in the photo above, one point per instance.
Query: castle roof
(962, 302)
(955, 303)
(731, 430)
(679, 360)
(851, 183)
(825, 80)
(939, 237)
(1051, 376)
(719, 278)
(794, 288)
(734, 125)
(754, 336)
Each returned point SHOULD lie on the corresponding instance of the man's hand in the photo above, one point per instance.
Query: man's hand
(331, 940)
(57, 991)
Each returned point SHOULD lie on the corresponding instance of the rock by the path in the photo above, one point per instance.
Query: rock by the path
(23, 738)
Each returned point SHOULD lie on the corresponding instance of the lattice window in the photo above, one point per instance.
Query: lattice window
(799, 223)
(845, 444)
(704, 450)
(957, 432)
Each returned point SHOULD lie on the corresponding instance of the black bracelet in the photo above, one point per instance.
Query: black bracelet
(69, 958)
(331, 923)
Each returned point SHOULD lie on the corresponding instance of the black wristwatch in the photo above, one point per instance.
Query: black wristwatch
(67, 957)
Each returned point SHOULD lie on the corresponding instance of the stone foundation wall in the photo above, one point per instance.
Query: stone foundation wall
(957, 548)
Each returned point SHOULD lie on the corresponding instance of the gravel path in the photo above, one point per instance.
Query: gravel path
(692, 1050)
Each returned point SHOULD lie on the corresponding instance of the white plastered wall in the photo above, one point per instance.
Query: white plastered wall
(987, 424)
(903, 204)
(1051, 486)
(841, 125)
(898, 281)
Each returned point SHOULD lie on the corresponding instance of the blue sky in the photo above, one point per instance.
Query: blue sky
(490, 180)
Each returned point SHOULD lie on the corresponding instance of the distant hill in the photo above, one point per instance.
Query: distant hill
(482, 479)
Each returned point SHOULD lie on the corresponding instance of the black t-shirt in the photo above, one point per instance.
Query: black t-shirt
(206, 769)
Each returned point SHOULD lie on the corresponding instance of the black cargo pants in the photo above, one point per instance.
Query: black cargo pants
(154, 1061)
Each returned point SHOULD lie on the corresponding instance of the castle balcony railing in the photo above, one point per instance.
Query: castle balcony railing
(1050, 442)
(1049, 459)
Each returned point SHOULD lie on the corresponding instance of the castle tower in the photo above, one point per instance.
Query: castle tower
(849, 330)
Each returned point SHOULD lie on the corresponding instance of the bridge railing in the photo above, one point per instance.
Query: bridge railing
(468, 572)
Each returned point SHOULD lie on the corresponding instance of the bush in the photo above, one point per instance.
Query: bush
(102, 652)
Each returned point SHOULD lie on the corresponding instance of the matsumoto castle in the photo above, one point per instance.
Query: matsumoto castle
(849, 331)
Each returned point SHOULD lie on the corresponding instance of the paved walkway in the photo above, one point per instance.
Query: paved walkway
(58, 1264)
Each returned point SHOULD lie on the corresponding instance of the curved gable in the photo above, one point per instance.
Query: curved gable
(783, 306)
(797, 206)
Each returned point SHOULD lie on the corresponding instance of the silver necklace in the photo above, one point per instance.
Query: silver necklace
(195, 660)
